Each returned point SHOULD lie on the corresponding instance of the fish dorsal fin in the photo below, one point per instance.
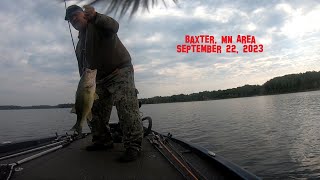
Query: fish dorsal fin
(73, 110)
(96, 96)
(89, 117)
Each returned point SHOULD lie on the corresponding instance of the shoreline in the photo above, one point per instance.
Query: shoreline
(61, 106)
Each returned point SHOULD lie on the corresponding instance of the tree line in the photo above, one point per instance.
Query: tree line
(11, 107)
(307, 81)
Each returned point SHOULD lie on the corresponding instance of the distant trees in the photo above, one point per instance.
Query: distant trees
(284, 84)
(36, 107)
(244, 91)
(10, 107)
(65, 105)
(293, 83)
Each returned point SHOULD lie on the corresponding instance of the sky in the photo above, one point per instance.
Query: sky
(38, 65)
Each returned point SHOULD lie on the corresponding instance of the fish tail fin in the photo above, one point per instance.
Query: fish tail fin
(96, 96)
(89, 117)
(73, 110)
(77, 128)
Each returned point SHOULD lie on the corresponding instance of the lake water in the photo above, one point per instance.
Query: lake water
(274, 137)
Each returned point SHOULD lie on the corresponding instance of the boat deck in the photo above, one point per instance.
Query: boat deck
(74, 162)
(170, 158)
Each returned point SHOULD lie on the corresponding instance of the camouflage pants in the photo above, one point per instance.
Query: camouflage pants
(117, 89)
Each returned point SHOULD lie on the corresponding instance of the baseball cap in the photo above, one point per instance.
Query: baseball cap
(71, 10)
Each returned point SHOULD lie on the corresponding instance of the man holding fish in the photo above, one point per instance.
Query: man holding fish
(100, 49)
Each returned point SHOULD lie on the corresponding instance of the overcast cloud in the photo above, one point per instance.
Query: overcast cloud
(38, 64)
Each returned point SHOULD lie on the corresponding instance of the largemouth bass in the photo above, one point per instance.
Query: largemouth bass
(85, 96)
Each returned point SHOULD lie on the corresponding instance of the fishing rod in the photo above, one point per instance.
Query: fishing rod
(157, 141)
(57, 141)
(32, 150)
(74, 47)
(6, 170)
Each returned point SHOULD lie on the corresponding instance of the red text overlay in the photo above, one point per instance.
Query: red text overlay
(222, 44)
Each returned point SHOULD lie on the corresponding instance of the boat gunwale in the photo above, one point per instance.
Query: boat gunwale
(217, 159)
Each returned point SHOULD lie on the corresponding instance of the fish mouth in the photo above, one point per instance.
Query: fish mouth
(88, 70)
(89, 86)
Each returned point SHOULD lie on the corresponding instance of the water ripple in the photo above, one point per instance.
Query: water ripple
(275, 137)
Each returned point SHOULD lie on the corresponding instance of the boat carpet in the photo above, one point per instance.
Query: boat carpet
(74, 162)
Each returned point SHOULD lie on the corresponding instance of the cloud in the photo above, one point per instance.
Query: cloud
(38, 64)
(301, 23)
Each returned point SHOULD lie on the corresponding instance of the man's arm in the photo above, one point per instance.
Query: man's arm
(100, 20)
(106, 22)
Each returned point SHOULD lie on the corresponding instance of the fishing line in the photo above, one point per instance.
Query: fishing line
(74, 47)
